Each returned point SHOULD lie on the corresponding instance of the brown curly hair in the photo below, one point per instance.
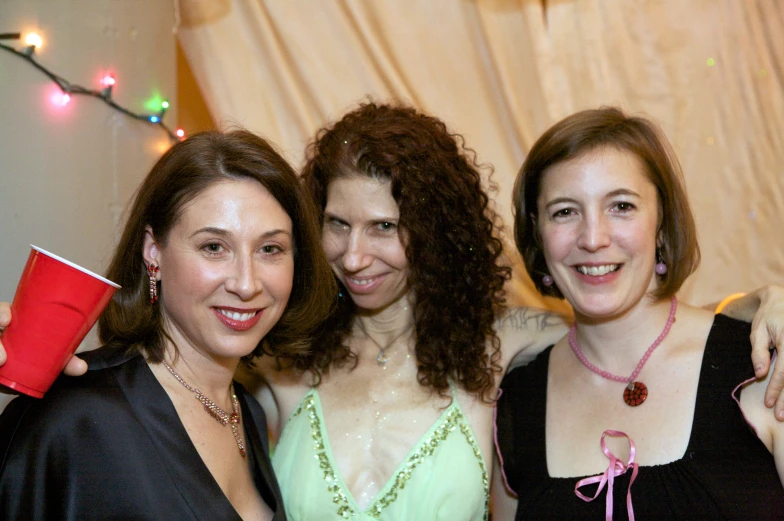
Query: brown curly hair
(452, 249)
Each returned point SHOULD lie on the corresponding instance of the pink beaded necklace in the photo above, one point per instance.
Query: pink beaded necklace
(635, 392)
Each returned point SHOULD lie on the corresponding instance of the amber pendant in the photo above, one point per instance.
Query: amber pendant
(635, 393)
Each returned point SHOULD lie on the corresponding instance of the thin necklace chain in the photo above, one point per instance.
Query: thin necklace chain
(605, 374)
(212, 408)
(382, 357)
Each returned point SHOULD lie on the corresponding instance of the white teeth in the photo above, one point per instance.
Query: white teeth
(239, 317)
(363, 282)
(597, 271)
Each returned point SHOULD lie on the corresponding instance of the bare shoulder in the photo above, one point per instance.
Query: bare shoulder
(278, 389)
(525, 332)
(766, 426)
(694, 323)
(769, 430)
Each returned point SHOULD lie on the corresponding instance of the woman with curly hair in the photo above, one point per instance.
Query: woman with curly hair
(389, 415)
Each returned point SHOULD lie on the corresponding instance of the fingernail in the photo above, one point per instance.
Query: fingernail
(758, 368)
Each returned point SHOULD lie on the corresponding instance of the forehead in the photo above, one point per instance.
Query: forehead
(235, 203)
(596, 172)
(361, 195)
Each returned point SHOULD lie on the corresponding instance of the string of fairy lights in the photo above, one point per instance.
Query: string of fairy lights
(67, 89)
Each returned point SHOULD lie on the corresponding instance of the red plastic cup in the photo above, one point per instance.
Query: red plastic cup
(55, 306)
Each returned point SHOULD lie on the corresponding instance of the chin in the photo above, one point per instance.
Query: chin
(597, 310)
(366, 301)
(236, 347)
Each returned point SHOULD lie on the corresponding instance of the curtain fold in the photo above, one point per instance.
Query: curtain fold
(499, 72)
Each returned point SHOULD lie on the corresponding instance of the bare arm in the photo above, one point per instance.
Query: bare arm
(504, 503)
(279, 390)
(764, 308)
(770, 431)
(526, 332)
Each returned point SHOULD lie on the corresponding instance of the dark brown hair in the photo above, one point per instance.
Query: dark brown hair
(186, 170)
(451, 248)
(587, 131)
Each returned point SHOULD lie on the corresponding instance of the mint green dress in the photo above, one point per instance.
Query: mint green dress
(443, 478)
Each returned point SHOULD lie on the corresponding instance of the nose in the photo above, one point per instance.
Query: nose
(595, 233)
(244, 280)
(357, 255)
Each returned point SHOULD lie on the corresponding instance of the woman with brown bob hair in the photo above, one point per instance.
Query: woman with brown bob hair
(677, 246)
(649, 411)
(220, 260)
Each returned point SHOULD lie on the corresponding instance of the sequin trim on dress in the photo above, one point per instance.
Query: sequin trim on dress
(452, 420)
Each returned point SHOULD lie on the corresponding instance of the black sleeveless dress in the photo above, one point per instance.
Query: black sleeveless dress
(726, 472)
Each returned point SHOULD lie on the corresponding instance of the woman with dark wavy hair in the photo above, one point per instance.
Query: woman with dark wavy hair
(219, 260)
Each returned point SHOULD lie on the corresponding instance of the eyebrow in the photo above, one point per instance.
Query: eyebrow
(623, 191)
(376, 219)
(224, 233)
(610, 195)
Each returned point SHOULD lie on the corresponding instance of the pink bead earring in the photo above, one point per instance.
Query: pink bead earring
(661, 267)
(547, 280)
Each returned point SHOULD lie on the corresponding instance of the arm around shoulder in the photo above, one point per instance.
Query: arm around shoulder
(526, 332)
(769, 430)
(764, 308)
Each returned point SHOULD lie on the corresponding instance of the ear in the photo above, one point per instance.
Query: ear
(150, 250)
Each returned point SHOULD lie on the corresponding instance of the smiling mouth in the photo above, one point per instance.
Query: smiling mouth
(598, 271)
(237, 316)
(362, 282)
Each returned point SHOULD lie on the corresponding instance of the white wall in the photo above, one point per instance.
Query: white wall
(66, 173)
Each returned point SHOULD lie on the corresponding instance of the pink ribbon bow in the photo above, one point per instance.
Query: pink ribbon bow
(615, 468)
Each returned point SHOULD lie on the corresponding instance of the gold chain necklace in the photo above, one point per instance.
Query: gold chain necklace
(221, 416)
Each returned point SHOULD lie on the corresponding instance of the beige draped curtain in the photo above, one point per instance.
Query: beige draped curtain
(710, 72)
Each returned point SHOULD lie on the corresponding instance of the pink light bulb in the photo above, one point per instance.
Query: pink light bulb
(61, 98)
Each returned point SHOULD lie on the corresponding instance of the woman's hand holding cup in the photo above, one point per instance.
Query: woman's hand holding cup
(76, 366)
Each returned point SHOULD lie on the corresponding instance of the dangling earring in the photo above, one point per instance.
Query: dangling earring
(661, 267)
(547, 280)
(152, 271)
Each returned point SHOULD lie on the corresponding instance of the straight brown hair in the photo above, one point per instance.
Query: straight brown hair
(186, 170)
